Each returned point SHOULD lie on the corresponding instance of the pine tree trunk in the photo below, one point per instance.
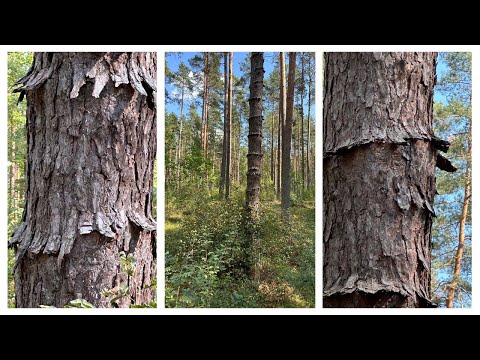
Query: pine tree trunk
(463, 220)
(91, 125)
(228, 167)
(379, 179)
(308, 123)
(254, 156)
(287, 134)
(179, 148)
(225, 115)
(281, 125)
(302, 92)
(272, 161)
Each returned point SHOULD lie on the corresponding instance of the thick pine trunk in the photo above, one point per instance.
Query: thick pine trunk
(91, 125)
(287, 133)
(281, 124)
(254, 156)
(379, 179)
(463, 221)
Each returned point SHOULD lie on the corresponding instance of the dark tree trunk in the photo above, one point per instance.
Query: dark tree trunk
(91, 123)
(254, 156)
(287, 134)
(379, 179)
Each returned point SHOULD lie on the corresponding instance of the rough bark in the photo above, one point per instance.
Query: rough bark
(463, 220)
(282, 112)
(254, 156)
(287, 133)
(379, 179)
(91, 124)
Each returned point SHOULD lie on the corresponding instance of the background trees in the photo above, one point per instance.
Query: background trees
(452, 232)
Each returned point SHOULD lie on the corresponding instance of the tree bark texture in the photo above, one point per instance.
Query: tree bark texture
(91, 123)
(254, 156)
(379, 179)
(287, 133)
(463, 221)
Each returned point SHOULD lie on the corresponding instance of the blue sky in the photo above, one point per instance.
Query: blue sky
(175, 59)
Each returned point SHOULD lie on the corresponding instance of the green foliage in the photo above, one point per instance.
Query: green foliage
(208, 257)
(452, 119)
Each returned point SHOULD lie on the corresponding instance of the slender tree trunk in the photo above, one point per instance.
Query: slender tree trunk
(287, 134)
(91, 125)
(179, 148)
(272, 160)
(302, 142)
(254, 157)
(463, 220)
(225, 115)
(379, 179)
(228, 167)
(308, 123)
(281, 125)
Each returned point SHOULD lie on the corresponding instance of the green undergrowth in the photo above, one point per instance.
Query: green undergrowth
(208, 256)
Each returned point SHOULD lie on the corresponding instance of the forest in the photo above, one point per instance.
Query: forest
(397, 179)
(239, 199)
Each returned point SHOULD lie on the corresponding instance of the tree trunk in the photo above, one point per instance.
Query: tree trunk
(308, 123)
(225, 115)
(302, 143)
(179, 149)
(379, 179)
(272, 160)
(254, 156)
(287, 134)
(205, 109)
(463, 221)
(228, 167)
(282, 112)
(91, 124)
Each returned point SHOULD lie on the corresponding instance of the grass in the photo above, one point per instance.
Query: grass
(208, 256)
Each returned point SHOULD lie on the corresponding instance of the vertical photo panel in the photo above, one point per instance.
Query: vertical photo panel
(397, 151)
(240, 180)
(81, 184)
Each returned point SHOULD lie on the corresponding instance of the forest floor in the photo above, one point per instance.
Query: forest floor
(205, 256)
